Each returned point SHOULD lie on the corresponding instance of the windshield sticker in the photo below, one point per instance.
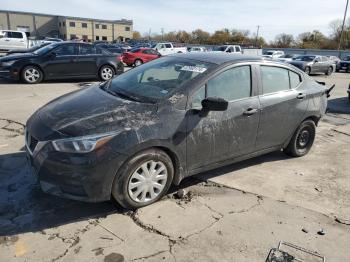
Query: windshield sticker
(195, 69)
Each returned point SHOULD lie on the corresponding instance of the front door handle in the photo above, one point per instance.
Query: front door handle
(301, 96)
(250, 111)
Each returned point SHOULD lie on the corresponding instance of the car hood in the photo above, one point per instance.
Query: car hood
(345, 62)
(17, 56)
(93, 111)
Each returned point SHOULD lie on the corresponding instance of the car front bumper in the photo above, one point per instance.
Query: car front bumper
(9, 72)
(84, 177)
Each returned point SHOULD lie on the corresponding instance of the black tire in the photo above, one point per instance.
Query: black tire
(138, 62)
(32, 75)
(120, 191)
(349, 96)
(307, 70)
(329, 71)
(106, 72)
(302, 140)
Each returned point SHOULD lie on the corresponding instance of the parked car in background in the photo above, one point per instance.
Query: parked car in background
(138, 56)
(348, 91)
(27, 50)
(197, 49)
(234, 49)
(336, 60)
(313, 64)
(273, 54)
(10, 40)
(344, 64)
(158, 123)
(287, 57)
(169, 48)
(65, 60)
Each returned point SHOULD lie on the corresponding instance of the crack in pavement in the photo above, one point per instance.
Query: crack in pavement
(75, 239)
(18, 131)
(150, 256)
(110, 231)
(259, 198)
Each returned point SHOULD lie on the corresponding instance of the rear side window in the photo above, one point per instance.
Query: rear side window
(232, 84)
(14, 35)
(274, 79)
(87, 50)
(295, 79)
(66, 50)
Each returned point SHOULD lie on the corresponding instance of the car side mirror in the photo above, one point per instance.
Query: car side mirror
(214, 104)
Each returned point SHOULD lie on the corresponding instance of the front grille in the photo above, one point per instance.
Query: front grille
(31, 142)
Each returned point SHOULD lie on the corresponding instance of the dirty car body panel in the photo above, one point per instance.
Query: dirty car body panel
(170, 117)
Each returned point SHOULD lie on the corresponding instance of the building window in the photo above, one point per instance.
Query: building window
(97, 26)
(64, 36)
(97, 37)
(85, 38)
(104, 38)
(127, 28)
(72, 37)
(84, 25)
(59, 24)
(63, 24)
(72, 24)
(104, 26)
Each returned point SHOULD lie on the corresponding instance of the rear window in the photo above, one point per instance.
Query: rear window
(136, 50)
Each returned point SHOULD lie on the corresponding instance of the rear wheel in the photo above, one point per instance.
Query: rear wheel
(329, 71)
(308, 70)
(106, 72)
(144, 179)
(302, 140)
(138, 62)
(32, 75)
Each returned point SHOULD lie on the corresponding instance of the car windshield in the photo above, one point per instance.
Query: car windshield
(269, 53)
(157, 79)
(45, 49)
(306, 58)
(220, 48)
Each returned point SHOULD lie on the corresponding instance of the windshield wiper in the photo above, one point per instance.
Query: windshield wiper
(105, 86)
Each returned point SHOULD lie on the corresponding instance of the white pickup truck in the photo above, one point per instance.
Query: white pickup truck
(235, 49)
(169, 48)
(10, 40)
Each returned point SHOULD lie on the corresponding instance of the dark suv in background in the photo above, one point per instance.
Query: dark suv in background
(344, 64)
(65, 60)
(311, 64)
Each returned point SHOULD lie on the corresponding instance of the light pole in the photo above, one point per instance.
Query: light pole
(257, 35)
(162, 29)
(342, 28)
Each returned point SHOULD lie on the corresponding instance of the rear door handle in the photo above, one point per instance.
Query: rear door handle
(301, 96)
(250, 111)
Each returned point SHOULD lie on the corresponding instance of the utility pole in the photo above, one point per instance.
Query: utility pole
(162, 29)
(342, 28)
(257, 35)
(149, 34)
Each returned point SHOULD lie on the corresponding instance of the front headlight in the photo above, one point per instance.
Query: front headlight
(84, 144)
(8, 63)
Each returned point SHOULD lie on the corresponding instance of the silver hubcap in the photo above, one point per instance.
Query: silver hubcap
(138, 63)
(31, 75)
(106, 73)
(148, 181)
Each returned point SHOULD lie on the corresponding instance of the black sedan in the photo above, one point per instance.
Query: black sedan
(133, 136)
(311, 64)
(65, 60)
(344, 64)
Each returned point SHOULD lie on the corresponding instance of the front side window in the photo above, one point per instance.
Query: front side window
(14, 35)
(232, 84)
(159, 78)
(274, 79)
(65, 50)
(167, 45)
(197, 98)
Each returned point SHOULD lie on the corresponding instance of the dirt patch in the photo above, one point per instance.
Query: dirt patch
(8, 240)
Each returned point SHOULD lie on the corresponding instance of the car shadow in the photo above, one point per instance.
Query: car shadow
(25, 208)
(6, 81)
(339, 105)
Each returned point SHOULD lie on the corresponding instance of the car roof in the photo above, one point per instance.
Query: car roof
(217, 58)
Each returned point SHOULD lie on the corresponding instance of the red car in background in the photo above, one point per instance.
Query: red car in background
(138, 56)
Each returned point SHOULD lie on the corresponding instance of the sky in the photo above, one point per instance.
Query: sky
(273, 16)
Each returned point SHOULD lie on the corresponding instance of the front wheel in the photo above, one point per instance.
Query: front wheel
(32, 75)
(329, 71)
(144, 179)
(308, 70)
(106, 72)
(302, 140)
(138, 62)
